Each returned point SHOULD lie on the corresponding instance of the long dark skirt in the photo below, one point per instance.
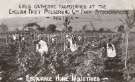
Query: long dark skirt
(113, 67)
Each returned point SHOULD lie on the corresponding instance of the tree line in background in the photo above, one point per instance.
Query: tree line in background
(51, 28)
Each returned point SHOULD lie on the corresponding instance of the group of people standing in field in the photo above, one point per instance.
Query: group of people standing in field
(72, 43)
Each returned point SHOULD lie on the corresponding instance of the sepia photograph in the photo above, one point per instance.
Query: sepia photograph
(67, 41)
(74, 48)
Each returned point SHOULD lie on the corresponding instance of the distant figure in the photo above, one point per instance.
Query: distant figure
(111, 51)
(53, 39)
(73, 46)
(42, 48)
(21, 37)
(93, 43)
(14, 37)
